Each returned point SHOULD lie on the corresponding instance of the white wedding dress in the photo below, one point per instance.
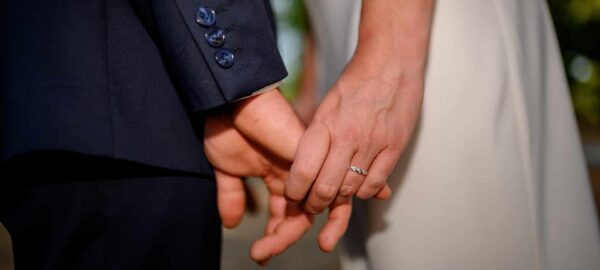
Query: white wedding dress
(495, 177)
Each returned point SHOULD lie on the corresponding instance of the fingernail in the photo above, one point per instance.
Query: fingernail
(346, 191)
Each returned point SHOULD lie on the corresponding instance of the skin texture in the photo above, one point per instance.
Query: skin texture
(369, 115)
(248, 139)
(366, 120)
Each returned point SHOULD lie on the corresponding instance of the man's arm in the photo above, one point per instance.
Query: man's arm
(218, 51)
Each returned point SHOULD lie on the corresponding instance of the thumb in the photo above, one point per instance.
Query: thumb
(231, 199)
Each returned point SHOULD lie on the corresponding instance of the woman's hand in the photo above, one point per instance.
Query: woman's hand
(369, 115)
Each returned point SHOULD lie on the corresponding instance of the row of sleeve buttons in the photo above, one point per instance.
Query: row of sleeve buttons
(215, 36)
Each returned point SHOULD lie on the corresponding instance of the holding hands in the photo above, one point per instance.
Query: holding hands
(351, 146)
(368, 117)
(248, 139)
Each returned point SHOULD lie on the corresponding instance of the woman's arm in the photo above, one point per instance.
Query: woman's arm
(369, 115)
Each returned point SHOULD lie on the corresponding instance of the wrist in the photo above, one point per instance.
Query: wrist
(375, 56)
(367, 65)
(368, 77)
(395, 35)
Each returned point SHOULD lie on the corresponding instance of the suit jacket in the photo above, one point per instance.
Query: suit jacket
(128, 80)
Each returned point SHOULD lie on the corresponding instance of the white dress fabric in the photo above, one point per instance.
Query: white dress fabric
(495, 177)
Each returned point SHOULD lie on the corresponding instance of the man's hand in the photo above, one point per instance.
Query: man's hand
(234, 157)
(259, 137)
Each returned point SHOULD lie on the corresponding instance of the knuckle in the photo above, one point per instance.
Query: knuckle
(352, 133)
(341, 200)
(349, 134)
(376, 183)
(379, 135)
(347, 190)
(294, 192)
(313, 209)
(325, 192)
(293, 197)
(396, 147)
(362, 194)
(304, 175)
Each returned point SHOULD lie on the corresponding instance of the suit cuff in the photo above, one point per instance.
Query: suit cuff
(248, 58)
(265, 89)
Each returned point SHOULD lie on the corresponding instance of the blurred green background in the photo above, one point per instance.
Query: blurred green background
(292, 25)
(577, 24)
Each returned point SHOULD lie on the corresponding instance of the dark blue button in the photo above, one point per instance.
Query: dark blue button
(206, 16)
(215, 37)
(224, 58)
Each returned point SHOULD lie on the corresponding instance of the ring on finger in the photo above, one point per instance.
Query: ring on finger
(358, 170)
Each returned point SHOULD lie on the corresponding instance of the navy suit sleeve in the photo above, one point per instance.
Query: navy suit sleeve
(245, 61)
